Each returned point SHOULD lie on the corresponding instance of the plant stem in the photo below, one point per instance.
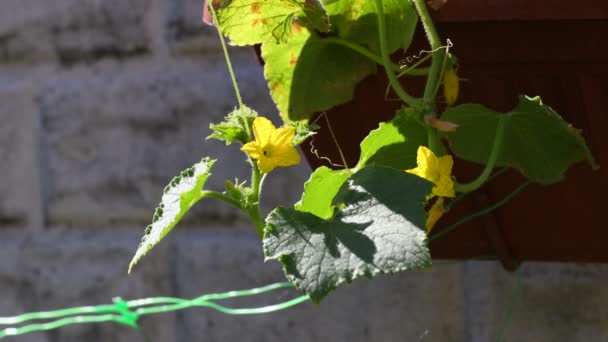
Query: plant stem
(432, 82)
(491, 160)
(231, 71)
(438, 53)
(463, 194)
(412, 71)
(254, 209)
(386, 61)
(358, 48)
(222, 197)
(434, 142)
(479, 213)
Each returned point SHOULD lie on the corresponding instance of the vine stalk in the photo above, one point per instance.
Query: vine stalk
(254, 209)
(480, 212)
(438, 53)
(386, 61)
(412, 71)
(231, 72)
(496, 146)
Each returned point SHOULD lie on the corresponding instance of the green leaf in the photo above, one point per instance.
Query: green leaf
(394, 143)
(320, 190)
(178, 197)
(537, 141)
(379, 230)
(308, 75)
(357, 21)
(311, 74)
(233, 128)
(315, 16)
(248, 22)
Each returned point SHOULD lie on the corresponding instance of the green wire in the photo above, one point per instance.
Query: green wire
(127, 313)
(59, 323)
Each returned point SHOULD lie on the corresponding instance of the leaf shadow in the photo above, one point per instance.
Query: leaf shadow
(351, 236)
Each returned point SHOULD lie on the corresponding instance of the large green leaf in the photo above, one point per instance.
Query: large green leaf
(307, 75)
(356, 21)
(178, 197)
(311, 74)
(379, 230)
(537, 141)
(320, 190)
(248, 22)
(394, 143)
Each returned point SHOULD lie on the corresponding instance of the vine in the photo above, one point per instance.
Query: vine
(315, 53)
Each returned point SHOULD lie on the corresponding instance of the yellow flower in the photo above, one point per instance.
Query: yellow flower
(434, 214)
(436, 170)
(272, 147)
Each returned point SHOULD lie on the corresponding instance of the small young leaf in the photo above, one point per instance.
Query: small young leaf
(320, 190)
(248, 22)
(537, 141)
(303, 131)
(178, 197)
(394, 143)
(232, 128)
(380, 230)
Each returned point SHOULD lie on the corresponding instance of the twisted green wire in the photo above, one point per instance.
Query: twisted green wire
(128, 312)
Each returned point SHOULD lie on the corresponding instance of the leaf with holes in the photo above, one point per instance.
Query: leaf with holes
(380, 229)
(537, 141)
(248, 22)
(178, 197)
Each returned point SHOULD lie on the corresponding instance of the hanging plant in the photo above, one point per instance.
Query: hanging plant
(377, 216)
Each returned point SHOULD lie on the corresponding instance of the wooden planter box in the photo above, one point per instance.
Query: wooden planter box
(505, 48)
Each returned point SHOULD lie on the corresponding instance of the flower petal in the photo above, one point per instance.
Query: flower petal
(427, 165)
(445, 164)
(266, 164)
(444, 188)
(283, 136)
(262, 130)
(285, 155)
(445, 185)
(253, 149)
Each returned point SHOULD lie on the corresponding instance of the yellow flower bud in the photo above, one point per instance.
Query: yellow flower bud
(450, 86)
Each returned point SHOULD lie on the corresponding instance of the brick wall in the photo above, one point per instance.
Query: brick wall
(102, 102)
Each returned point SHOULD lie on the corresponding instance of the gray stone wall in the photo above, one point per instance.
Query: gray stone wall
(102, 102)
